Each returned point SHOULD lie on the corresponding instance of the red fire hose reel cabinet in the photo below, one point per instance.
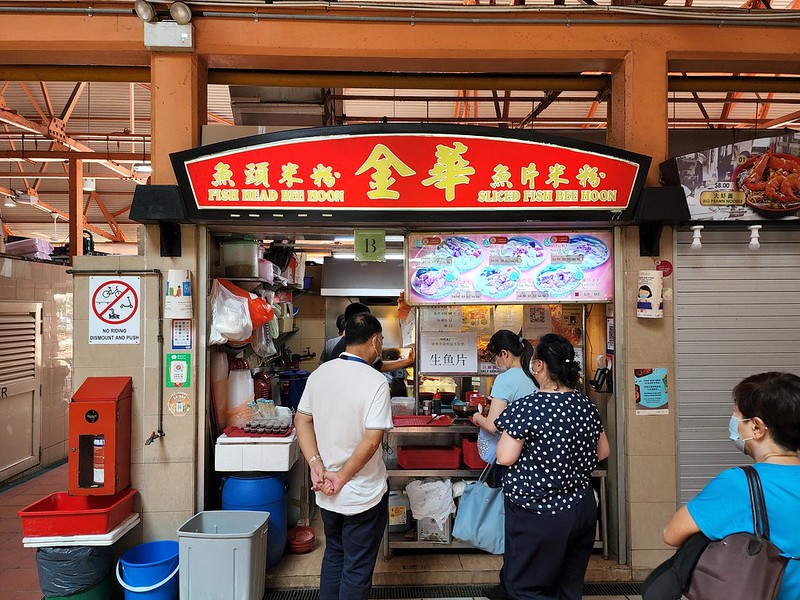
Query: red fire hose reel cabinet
(99, 459)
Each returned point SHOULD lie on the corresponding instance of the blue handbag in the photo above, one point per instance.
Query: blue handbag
(481, 516)
(487, 445)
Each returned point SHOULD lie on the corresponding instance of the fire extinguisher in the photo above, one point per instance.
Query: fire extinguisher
(99, 460)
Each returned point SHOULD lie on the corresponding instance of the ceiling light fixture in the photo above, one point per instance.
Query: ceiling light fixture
(9, 202)
(143, 168)
(27, 197)
(145, 11)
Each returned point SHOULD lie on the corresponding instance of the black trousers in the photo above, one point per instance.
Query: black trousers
(546, 556)
(351, 547)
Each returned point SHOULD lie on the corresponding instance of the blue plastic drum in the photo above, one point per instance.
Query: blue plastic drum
(261, 491)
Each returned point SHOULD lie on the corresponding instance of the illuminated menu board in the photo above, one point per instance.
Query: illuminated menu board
(509, 268)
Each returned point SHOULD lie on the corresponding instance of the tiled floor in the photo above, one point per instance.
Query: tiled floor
(19, 579)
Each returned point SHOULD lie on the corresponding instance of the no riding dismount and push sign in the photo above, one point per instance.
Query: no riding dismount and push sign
(114, 315)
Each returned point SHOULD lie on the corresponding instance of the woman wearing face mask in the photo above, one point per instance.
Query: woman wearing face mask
(512, 356)
(551, 442)
(765, 426)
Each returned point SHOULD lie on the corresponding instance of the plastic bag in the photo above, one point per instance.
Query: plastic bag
(262, 341)
(260, 310)
(230, 316)
(431, 498)
(69, 570)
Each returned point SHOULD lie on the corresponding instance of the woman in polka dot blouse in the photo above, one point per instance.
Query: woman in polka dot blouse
(551, 442)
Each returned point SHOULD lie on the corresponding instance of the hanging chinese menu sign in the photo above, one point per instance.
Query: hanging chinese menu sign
(448, 353)
(383, 169)
(509, 268)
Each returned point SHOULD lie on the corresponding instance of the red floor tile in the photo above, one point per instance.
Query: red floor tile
(19, 577)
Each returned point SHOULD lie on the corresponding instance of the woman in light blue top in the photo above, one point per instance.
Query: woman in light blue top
(512, 354)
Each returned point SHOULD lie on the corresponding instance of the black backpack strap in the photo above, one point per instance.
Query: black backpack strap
(757, 503)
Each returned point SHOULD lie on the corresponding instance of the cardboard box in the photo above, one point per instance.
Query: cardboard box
(429, 531)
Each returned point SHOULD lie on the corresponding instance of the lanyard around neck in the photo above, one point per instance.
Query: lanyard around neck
(354, 358)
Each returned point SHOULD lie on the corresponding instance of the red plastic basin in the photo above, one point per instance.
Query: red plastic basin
(429, 457)
(62, 514)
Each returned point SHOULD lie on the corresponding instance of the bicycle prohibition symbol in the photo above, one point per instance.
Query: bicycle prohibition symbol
(115, 302)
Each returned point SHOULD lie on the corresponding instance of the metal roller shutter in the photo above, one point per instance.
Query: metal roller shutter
(737, 314)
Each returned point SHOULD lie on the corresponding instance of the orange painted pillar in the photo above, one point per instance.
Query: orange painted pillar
(639, 104)
(178, 110)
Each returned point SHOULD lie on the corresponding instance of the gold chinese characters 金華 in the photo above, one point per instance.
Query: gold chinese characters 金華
(450, 169)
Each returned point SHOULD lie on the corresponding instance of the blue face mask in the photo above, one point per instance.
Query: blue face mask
(733, 428)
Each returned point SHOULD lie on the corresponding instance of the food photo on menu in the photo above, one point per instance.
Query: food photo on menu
(749, 180)
(476, 268)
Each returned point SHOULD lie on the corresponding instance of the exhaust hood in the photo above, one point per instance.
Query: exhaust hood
(360, 279)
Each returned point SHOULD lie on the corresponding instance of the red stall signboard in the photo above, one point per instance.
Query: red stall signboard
(406, 171)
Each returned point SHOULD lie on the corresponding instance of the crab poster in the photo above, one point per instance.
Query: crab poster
(746, 181)
(509, 268)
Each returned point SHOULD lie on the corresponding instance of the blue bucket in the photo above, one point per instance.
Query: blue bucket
(264, 492)
(149, 571)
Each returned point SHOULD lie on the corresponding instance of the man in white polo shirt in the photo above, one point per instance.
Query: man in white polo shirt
(340, 421)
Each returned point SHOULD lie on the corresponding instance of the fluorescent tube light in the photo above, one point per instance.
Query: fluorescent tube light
(350, 238)
(351, 256)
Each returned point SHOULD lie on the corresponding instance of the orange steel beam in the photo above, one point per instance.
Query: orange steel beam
(218, 119)
(72, 102)
(23, 175)
(121, 211)
(780, 121)
(590, 114)
(764, 110)
(260, 43)
(19, 162)
(728, 106)
(34, 102)
(60, 137)
(112, 222)
(86, 224)
(62, 155)
(47, 101)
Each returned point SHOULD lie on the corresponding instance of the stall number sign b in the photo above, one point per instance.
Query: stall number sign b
(370, 245)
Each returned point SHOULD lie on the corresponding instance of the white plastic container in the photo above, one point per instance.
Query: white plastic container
(240, 258)
(222, 555)
(402, 406)
(240, 392)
